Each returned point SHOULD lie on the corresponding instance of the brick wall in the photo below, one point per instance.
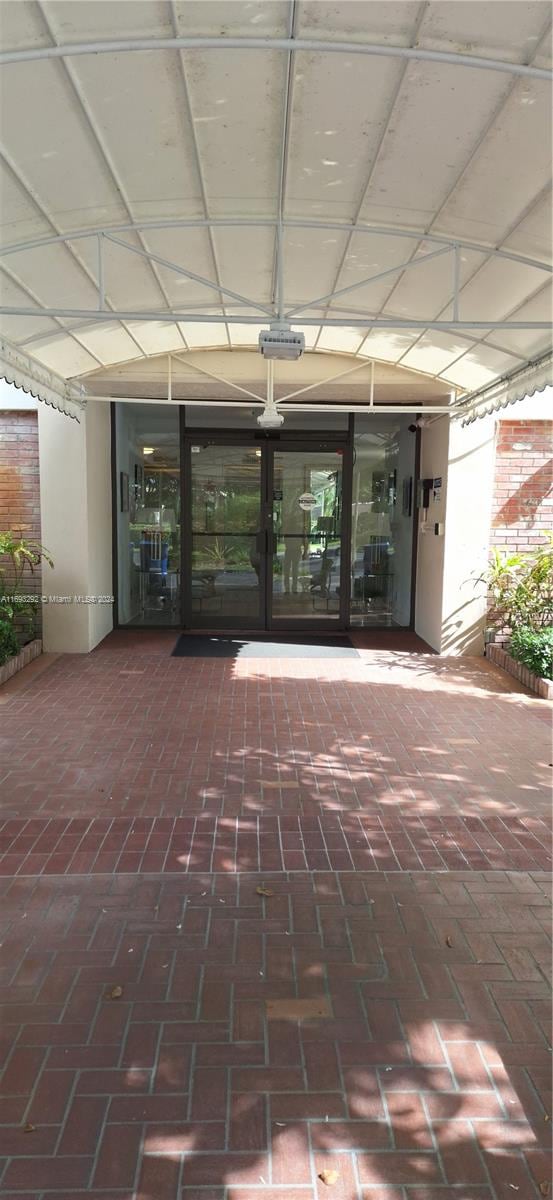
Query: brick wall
(19, 481)
(522, 510)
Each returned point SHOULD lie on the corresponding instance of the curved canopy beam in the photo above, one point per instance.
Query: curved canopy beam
(163, 316)
(312, 45)
(415, 235)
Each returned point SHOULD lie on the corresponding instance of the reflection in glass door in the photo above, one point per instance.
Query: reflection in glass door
(307, 535)
(227, 550)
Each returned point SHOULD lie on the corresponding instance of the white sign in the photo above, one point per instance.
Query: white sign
(307, 501)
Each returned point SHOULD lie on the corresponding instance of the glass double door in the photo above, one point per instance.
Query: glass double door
(266, 538)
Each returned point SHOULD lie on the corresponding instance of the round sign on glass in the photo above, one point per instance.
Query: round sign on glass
(307, 501)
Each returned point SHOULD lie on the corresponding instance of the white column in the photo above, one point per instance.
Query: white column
(75, 503)
(450, 604)
(467, 535)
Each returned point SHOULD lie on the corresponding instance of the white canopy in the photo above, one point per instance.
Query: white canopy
(175, 175)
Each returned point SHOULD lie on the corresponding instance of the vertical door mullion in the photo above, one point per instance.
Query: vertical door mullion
(345, 527)
(186, 532)
(269, 460)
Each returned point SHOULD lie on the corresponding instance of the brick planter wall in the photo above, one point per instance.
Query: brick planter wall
(25, 656)
(19, 482)
(499, 656)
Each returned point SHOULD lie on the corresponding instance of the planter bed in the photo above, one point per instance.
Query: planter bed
(25, 656)
(501, 658)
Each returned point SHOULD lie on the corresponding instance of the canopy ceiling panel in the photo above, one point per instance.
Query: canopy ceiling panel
(159, 197)
(440, 106)
(236, 251)
(335, 133)
(137, 105)
(128, 278)
(509, 171)
(110, 343)
(236, 103)
(311, 259)
(478, 366)
(532, 235)
(530, 343)
(205, 336)
(428, 287)
(239, 18)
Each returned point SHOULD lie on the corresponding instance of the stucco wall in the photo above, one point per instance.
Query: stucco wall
(75, 497)
(430, 549)
(450, 604)
(467, 535)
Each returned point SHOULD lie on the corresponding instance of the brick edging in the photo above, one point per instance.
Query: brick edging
(499, 656)
(25, 656)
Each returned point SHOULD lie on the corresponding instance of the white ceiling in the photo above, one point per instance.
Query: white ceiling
(99, 141)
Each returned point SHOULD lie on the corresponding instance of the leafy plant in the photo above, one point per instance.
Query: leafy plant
(9, 645)
(214, 555)
(23, 555)
(534, 648)
(521, 588)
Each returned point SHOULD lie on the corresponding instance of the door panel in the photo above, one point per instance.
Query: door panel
(228, 542)
(307, 529)
(265, 536)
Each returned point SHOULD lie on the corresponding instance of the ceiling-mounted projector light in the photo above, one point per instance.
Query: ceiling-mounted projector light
(281, 342)
(270, 418)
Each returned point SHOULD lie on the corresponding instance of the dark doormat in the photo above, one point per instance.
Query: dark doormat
(287, 646)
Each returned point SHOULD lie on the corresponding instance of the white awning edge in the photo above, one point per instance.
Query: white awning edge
(532, 378)
(39, 381)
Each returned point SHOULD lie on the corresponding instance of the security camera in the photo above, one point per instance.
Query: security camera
(270, 418)
(420, 423)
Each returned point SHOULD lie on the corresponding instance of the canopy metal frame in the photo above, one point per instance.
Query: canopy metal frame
(231, 307)
(278, 310)
(288, 44)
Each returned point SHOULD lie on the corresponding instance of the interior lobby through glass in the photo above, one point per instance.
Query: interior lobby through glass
(260, 537)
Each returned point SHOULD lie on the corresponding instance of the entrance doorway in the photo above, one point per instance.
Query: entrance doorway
(266, 545)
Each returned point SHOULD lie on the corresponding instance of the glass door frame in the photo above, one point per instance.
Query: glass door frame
(299, 445)
(268, 443)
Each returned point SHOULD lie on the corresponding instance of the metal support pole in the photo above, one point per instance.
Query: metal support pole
(456, 269)
(371, 400)
(280, 274)
(174, 317)
(101, 285)
(169, 379)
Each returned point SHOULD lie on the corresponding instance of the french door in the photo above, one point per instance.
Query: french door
(266, 543)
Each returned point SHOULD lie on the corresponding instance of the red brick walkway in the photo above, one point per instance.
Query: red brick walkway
(383, 1015)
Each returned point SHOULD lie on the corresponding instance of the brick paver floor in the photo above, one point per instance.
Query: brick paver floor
(273, 930)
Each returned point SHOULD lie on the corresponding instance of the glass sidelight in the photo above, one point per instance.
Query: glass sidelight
(147, 514)
(307, 528)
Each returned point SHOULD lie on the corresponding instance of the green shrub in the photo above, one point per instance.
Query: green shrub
(9, 644)
(18, 555)
(534, 648)
(520, 588)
